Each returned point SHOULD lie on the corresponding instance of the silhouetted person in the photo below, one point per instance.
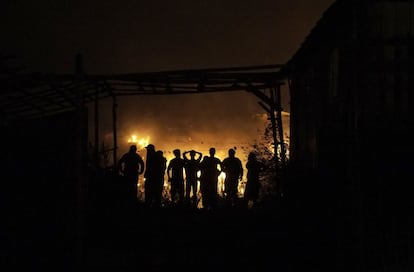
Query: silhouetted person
(254, 167)
(175, 171)
(150, 175)
(210, 168)
(160, 167)
(131, 165)
(232, 167)
(192, 166)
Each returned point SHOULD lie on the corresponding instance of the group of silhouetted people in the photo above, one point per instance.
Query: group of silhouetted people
(185, 170)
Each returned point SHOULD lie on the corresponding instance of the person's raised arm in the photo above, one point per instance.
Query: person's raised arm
(185, 155)
(200, 155)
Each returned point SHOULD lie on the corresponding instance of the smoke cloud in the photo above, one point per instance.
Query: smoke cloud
(191, 121)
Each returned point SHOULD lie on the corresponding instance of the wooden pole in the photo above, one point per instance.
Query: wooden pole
(80, 163)
(274, 126)
(96, 125)
(114, 120)
(280, 126)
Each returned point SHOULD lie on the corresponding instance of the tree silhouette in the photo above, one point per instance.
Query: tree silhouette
(272, 177)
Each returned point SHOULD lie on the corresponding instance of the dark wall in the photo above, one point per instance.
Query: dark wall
(361, 165)
(40, 191)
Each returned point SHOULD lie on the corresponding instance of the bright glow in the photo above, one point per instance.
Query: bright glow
(202, 147)
(140, 142)
(195, 137)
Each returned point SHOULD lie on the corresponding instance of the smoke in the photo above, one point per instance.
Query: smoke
(192, 121)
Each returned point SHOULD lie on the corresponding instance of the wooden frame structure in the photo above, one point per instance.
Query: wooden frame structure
(29, 96)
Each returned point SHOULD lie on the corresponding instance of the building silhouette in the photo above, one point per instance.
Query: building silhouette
(351, 129)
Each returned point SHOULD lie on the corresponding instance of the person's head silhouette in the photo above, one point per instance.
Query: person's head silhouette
(150, 148)
(133, 149)
(177, 153)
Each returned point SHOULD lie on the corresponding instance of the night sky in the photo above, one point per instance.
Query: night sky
(127, 36)
(142, 36)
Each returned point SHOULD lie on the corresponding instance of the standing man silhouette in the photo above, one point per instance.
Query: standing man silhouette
(131, 165)
(191, 167)
(160, 167)
(232, 167)
(150, 175)
(254, 168)
(210, 171)
(175, 171)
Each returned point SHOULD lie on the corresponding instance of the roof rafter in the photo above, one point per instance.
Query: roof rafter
(26, 96)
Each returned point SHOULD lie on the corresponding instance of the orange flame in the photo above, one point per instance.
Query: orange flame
(140, 142)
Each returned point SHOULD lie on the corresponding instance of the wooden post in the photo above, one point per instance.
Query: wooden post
(272, 106)
(274, 109)
(279, 121)
(114, 120)
(80, 164)
(96, 126)
(274, 126)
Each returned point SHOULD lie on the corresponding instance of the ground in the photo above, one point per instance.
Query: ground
(186, 239)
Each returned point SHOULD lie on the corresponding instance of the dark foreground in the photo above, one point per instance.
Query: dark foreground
(115, 234)
(306, 232)
(184, 239)
(47, 228)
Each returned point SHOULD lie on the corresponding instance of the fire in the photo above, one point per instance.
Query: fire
(140, 142)
(187, 142)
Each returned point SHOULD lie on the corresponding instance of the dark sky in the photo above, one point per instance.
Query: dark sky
(126, 36)
(142, 36)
